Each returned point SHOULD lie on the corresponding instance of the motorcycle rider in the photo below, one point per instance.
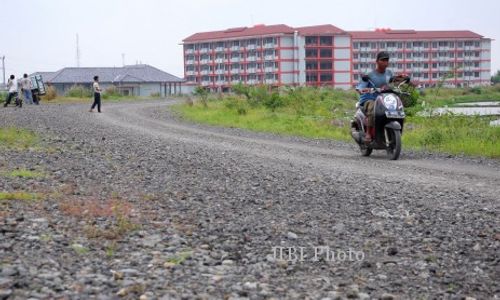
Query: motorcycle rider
(378, 78)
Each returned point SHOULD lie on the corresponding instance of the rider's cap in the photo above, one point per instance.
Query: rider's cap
(383, 55)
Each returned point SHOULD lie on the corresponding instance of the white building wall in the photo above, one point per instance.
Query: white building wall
(342, 54)
(287, 66)
(342, 65)
(287, 78)
(342, 41)
(302, 59)
(287, 41)
(343, 78)
(286, 54)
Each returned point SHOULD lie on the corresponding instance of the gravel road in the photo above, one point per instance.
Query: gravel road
(135, 203)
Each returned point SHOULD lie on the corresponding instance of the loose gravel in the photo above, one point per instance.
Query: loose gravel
(135, 203)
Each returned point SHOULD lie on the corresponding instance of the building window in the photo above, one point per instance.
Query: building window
(355, 45)
(408, 45)
(408, 66)
(373, 45)
(434, 44)
(477, 44)
(355, 66)
(311, 65)
(326, 66)
(325, 53)
(355, 55)
(312, 40)
(311, 77)
(326, 41)
(476, 74)
(400, 45)
(426, 76)
(426, 45)
(311, 52)
(326, 77)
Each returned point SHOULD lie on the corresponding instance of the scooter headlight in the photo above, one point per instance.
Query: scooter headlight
(390, 102)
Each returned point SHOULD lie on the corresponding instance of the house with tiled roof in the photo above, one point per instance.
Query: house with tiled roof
(133, 80)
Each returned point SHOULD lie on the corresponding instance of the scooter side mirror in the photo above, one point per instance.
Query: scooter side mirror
(365, 78)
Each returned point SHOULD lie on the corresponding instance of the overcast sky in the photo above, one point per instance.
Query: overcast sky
(40, 35)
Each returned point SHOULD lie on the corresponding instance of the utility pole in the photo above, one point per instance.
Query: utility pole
(77, 52)
(3, 69)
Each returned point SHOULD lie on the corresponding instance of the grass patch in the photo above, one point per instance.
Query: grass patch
(179, 258)
(24, 196)
(16, 138)
(326, 113)
(454, 134)
(79, 249)
(24, 173)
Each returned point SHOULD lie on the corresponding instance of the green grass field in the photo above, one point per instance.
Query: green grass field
(325, 113)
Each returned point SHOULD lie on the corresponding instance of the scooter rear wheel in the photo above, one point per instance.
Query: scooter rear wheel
(365, 151)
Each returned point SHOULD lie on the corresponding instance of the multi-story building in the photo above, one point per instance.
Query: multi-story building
(329, 56)
(454, 58)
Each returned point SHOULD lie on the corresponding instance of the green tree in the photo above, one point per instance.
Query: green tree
(202, 93)
(496, 78)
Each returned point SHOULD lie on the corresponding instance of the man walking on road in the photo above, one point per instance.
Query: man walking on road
(12, 86)
(97, 95)
(26, 89)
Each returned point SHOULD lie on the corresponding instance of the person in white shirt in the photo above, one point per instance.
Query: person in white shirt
(97, 95)
(26, 89)
(12, 86)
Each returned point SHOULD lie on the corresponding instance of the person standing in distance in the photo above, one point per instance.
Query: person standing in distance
(12, 86)
(26, 87)
(97, 95)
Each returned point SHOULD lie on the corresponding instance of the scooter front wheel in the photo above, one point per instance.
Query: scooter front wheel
(394, 146)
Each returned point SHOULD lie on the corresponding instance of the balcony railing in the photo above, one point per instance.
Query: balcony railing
(189, 51)
(204, 50)
(190, 62)
(251, 47)
(269, 45)
(235, 59)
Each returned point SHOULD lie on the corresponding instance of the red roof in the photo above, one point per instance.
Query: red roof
(257, 30)
(388, 34)
(326, 29)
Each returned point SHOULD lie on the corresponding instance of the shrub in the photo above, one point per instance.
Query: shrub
(112, 92)
(202, 93)
(50, 93)
(241, 89)
(475, 90)
(155, 95)
(273, 102)
(78, 91)
(411, 99)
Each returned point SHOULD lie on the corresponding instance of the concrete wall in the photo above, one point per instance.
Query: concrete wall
(287, 41)
(302, 59)
(342, 41)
